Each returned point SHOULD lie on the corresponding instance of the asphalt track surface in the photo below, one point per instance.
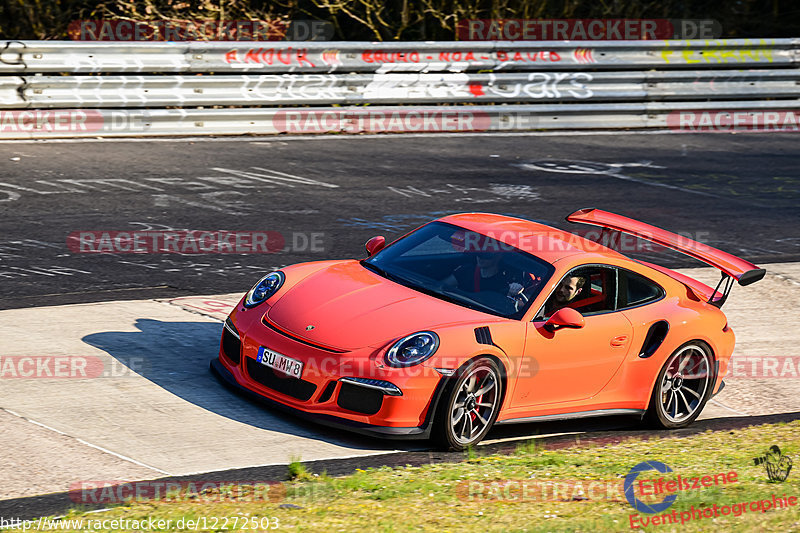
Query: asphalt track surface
(326, 196)
(737, 192)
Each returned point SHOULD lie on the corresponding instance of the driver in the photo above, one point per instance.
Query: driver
(485, 275)
(566, 292)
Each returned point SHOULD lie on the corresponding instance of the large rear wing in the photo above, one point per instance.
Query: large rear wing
(731, 266)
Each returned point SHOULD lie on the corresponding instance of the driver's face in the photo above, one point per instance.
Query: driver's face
(567, 290)
(487, 259)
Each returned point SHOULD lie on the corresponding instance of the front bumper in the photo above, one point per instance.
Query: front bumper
(344, 389)
(415, 432)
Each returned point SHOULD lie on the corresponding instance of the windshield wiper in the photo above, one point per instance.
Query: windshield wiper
(452, 298)
(468, 302)
(381, 272)
(406, 283)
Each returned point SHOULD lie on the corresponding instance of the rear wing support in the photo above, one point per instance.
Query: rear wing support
(726, 282)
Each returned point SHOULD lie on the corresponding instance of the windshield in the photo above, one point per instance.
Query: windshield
(465, 268)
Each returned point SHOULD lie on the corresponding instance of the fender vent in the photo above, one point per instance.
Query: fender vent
(655, 336)
(483, 335)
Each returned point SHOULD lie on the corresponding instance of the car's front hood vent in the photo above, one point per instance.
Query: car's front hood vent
(265, 320)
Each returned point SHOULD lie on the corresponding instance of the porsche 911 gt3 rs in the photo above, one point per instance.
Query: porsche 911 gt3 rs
(477, 319)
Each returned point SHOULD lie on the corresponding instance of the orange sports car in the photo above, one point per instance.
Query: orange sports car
(477, 319)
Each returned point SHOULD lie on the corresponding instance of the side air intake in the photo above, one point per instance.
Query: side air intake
(655, 336)
(483, 335)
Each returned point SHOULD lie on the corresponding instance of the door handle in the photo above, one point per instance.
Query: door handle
(619, 340)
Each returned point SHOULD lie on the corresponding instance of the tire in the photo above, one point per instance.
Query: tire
(463, 417)
(683, 387)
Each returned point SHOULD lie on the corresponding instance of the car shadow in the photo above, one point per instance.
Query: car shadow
(590, 425)
(176, 355)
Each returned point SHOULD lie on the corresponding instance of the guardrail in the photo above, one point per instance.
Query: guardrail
(116, 89)
(18, 92)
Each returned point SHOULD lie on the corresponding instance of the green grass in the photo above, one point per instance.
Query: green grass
(436, 497)
(298, 471)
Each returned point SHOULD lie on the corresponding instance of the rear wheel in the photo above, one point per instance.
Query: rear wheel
(683, 387)
(470, 405)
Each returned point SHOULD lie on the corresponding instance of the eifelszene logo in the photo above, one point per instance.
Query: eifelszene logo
(635, 502)
(668, 486)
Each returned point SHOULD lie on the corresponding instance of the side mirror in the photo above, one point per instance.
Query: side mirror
(375, 245)
(565, 318)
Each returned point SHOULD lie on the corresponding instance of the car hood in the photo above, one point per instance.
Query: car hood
(351, 307)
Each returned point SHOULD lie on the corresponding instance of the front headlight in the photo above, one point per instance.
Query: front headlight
(413, 349)
(266, 287)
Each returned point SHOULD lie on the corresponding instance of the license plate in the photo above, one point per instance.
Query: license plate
(279, 362)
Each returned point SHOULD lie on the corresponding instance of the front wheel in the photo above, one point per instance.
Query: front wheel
(683, 387)
(471, 406)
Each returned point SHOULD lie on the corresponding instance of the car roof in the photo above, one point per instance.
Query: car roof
(545, 242)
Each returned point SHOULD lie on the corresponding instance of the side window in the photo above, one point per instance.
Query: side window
(590, 290)
(636, 289)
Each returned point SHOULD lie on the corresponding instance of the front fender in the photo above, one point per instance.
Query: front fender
(459, 344)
